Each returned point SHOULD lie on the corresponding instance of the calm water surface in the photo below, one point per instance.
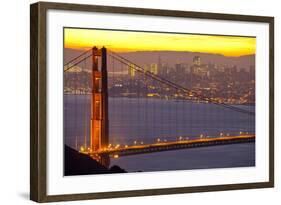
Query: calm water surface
(145, 120)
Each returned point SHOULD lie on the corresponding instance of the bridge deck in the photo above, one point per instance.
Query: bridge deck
(166, 146)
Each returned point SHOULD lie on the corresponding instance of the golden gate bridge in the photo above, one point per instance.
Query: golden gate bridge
(97, 86)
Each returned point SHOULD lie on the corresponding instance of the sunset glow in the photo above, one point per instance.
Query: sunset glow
(125, 41)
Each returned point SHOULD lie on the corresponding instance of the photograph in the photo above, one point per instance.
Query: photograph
(139, 101)
(128, 101)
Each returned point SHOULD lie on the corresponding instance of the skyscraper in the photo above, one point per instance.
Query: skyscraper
(159, 64)
(164, 69)
(180, 69)
(197, 60)
(131, 70)
(146, 67)
(154, 68)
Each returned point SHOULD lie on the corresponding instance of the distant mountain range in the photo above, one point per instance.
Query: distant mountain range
(173, 57)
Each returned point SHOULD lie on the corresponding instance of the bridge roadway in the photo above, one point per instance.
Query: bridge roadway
(166, 146)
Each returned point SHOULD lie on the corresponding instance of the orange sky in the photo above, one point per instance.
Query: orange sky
(147, 41)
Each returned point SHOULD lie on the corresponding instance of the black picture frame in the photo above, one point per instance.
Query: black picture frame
(38, 100)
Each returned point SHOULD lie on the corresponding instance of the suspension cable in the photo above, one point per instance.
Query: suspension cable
(72, 65)
(77, 57)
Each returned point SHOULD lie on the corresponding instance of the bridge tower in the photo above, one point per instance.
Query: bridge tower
(99, 104)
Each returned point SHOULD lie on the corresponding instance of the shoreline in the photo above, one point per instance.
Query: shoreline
(76, 163)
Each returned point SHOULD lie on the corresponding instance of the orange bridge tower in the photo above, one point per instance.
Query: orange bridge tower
(99, 104)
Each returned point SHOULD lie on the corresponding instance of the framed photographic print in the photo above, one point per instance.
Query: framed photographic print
(134, 102)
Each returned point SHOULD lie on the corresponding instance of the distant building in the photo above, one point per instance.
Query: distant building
(242, 70)
(252, 69)
(186, 68)
(198, 68)
(74, 69)
(131, 70)
(201, 71)
(164, 69)
(252, 72)
(197, 60)
(220, 68)
(159, 64)
(233, 69)
(180, 68)
(154, 68)
(146, 67)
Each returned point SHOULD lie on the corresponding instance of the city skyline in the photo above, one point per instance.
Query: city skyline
(131, 41)
(222, 83)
